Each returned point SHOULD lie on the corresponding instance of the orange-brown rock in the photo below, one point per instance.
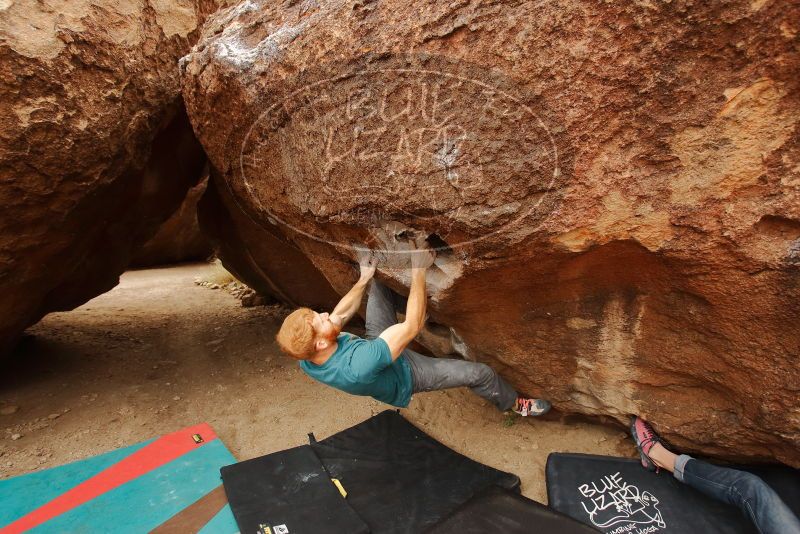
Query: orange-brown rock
(614, 188)
(179, 238)
(270, 264)
(95, 150)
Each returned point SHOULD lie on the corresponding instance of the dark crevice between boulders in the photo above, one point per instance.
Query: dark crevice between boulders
(117, 219)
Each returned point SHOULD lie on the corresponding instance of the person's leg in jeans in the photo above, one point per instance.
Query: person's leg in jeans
(431, 374)
(745, 490)
(381, 309)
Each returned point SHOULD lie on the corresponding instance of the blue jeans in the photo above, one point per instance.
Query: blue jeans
(745, 490)
(431, 374)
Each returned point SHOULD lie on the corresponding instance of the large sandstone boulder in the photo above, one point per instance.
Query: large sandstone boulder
(614, 188)
(95, 151)
(179, 238)
(270, 264)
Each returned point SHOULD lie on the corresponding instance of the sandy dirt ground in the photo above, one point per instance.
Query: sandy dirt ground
(158, 353)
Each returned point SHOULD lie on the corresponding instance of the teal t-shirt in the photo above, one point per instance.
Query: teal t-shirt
(365, 367)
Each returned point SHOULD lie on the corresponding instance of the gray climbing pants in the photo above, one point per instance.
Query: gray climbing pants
(430, 374)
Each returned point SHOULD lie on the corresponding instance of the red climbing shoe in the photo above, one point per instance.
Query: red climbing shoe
(645, 437)
(531, 407)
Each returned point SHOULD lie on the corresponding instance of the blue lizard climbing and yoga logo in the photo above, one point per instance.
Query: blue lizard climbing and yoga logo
(612, 503)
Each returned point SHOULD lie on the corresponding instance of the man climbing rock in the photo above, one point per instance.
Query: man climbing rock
(382, 366)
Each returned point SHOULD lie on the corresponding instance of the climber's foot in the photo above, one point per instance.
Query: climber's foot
(645, 438)
(531, 407)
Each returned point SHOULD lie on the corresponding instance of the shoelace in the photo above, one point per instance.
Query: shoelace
(649, 440)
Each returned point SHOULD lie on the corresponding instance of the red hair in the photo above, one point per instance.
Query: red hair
(296, 336)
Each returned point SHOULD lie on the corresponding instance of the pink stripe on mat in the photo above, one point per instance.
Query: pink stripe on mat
(150, 457)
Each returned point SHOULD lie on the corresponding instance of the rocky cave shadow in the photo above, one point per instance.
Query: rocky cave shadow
(572, 419)
(35, 359)
(89, 357)
(102, 346)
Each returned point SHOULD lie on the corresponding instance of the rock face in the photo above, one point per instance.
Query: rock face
(95, 151)
(614, 189)
(179, 237)
(269, 264)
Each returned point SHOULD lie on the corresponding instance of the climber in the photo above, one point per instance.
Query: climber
(382, 366)
(745, 490)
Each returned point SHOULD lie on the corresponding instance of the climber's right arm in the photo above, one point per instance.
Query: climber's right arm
(398, 336)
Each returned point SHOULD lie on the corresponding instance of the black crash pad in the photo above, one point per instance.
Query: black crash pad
(499, 510)
(618, 496)
(400, 480)
(288, 491)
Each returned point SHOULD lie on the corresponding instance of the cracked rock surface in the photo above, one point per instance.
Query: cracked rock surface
(614, 189)
(96, 150)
